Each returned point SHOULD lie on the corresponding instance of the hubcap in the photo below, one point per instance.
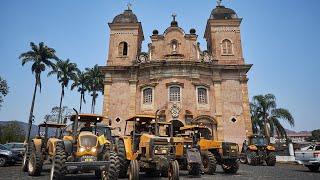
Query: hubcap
(31, 163)
(52, 169)
(2, 161)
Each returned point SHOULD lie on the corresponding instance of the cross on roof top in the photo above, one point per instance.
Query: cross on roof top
(219, 2)
(129, 6)
(174, 15)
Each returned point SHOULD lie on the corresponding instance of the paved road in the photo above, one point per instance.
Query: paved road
(280, 171)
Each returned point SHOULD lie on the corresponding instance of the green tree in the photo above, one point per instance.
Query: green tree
(82, 84)
(4, 89)
(11, 132)
(65, 71)
(95, 84)
(266, 116)
(40, 56)
(315, 135)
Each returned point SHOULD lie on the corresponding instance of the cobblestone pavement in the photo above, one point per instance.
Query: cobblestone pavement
(280, 171)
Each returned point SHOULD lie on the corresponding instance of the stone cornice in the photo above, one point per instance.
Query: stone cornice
(191, 64)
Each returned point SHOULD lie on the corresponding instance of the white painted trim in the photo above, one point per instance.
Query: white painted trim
(202, 106)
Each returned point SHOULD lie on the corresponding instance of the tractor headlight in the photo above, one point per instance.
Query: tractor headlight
(156, 151)
(164, 151)
(94, 149)
(82, 149)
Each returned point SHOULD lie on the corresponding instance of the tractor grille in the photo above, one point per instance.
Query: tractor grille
(88, 141)
(230, 149)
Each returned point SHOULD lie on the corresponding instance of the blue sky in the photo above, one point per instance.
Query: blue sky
(281, 39)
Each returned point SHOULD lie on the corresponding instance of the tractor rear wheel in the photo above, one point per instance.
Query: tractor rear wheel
(271, 159)
(58, 168)
(231, 167)
(252, 158)
(35, 162)
(209, 163)
(113, 172)
(25, 159)
(195, 169)
(173, 171)
(134, 170)
(313, 168)
(124, 163)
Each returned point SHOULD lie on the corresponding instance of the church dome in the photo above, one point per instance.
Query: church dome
(126, 17)
(221, 12)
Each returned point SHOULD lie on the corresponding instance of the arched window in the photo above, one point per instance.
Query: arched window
(123, 49)
(147, 96)
(174, 93)
(202, 95)
(227, 47)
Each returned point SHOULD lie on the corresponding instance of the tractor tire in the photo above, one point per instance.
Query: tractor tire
(3, 161)
(252, 158)
(124, 163)
(24, 166)
(231, 168)
(134, 170)
(113, 172)
(313, 168)
(35, 162)
(195, 169)
(243, 158)
(271, 159)
(173, 171)
(58, 168)
(209, 163)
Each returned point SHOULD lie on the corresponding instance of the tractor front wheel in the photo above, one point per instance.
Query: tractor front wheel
(58, 168)
(35, 162)
(209, 163)
(271, 159)
(252, 158)
(124, 163)
(173, 171)
(231, 167)
(26, 155)
(113, 172)
(195, 169)
(134, 170)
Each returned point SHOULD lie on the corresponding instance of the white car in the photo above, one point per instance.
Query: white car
(309, 157)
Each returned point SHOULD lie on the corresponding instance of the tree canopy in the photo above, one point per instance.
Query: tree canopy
(4, 89)
(266, 116)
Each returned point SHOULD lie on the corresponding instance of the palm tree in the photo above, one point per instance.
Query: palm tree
(82, 84)
(95, 83)
(40, 56)
(65, 71)
(265, 115)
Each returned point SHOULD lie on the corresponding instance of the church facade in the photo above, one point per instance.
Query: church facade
(177, 80)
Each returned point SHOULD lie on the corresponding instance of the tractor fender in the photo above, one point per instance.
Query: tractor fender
(37, 144)
(128, 147)
(67, 146)
(51, 145)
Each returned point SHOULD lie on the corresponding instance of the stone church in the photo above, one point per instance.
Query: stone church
(177, 80)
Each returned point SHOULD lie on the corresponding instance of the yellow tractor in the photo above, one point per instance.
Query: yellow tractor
(140, 149)
(42, 147)
(84, 150)
(257, 150)
(215, 152)
(188, 150)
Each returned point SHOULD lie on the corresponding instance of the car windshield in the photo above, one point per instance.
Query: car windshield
(259, 141)
(2, 147)
(18, 146)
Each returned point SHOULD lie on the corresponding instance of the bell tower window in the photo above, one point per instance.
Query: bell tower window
(227, 47)
(123, 49)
